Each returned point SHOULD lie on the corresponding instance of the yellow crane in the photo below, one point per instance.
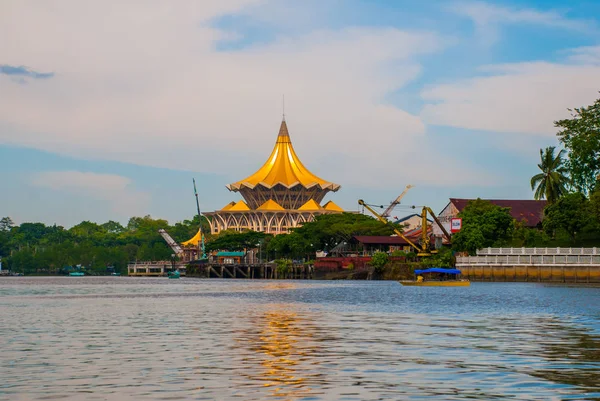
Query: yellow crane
(425, 248)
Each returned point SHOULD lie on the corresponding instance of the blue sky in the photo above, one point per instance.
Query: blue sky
(109, 112)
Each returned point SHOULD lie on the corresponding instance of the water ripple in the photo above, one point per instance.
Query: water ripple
(159, 339)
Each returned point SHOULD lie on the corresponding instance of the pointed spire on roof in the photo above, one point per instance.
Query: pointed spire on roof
(283, 167)
(284, 135)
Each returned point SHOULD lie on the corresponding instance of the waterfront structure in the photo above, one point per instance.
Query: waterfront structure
(281, 195)
(577, 265)
(528, 212)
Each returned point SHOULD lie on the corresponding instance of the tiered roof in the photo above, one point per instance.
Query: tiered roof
(283, 167)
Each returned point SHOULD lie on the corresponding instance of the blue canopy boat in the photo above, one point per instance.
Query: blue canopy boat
(442, 278)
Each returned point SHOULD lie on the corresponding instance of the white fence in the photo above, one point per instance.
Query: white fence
(530, 260)
(538, 251)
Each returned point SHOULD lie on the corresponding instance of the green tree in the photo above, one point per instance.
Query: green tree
(379, 260)
(113, 227)
(483, 224)
(571, 215)
(6, 224)
(551, 182)
(581, 137)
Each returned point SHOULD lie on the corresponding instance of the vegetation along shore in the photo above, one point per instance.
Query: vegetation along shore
(569, 179)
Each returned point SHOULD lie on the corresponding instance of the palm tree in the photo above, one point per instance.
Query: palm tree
(552, 182)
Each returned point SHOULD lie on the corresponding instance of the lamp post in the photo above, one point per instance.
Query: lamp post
(259, 245)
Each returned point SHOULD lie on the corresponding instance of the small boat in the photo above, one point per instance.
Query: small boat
(76, 274)
(442, 278)
(174, 274)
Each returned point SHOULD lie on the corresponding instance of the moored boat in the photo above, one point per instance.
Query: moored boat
(437, 277)
(174, 274)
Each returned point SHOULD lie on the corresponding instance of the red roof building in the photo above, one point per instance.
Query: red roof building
(529, 212)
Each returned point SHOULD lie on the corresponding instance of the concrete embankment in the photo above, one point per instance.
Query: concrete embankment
(546, 274)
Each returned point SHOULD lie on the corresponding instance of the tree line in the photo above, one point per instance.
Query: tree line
(35, 248)
(568, 179)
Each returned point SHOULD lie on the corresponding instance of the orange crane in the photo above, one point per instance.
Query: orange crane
(425, 248)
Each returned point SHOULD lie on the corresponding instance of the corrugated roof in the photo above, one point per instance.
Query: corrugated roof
(380, 240)
(529, 211)
(241, 254)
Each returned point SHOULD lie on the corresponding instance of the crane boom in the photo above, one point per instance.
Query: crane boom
(448, 237)
(425, 249)
(201, 246)
(385, 221)
(396, 202)
(171, 242)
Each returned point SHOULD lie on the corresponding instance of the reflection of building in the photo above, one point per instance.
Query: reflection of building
(280, 353)
(529, 212)
(281, 195)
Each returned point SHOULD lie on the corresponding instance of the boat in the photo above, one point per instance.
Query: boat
(174, 274)
(76, 274)
(442, 277)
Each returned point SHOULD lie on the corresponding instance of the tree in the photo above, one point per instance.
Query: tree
(379, 260)
(571, 214)
(483, 224)
(581, 137)
(551, 182)
(113, 227)
(6, 224)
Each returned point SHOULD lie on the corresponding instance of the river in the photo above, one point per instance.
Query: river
(121, 338)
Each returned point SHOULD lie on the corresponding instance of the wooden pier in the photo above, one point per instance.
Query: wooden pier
(221, 270)
(250, 271)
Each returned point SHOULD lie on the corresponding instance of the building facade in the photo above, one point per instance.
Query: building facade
(529, 212)
(281, 195)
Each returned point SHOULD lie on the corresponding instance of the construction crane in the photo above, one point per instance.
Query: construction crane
(396, 202)
(171, 242)
(425, 248)
(201, 246)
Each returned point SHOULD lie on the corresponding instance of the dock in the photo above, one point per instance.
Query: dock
(220, 270)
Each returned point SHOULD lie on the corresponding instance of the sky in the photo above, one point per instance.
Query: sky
(108, 110)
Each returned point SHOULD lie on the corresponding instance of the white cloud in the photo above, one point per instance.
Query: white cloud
(585, 55)
(520, 98)
(488, 18)
(141, 82)
(116, 190)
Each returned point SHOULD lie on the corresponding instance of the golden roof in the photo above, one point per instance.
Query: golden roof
(194, 240)
(332, 206)
(229, 205)
(283, 167)
(270, 205)
(239, 206)
(310, 205)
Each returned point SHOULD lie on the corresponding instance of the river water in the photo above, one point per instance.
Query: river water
(121, 338)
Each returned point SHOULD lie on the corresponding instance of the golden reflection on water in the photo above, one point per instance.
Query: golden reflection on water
(282, 351)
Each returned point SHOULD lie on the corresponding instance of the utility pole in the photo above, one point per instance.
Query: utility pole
(201, 248)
